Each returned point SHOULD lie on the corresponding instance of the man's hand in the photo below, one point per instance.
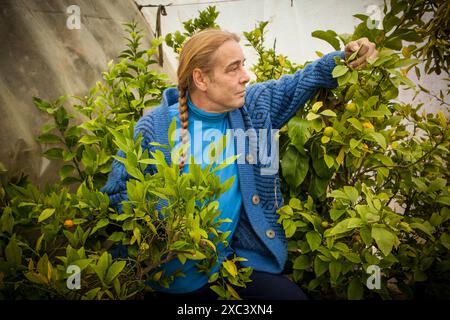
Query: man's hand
(365, 49)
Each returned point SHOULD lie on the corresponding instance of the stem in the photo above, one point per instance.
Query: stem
(126, 94)
(399, 166)
(147, 269)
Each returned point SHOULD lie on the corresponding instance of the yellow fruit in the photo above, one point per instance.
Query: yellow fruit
(351, 107)
(68, 223)
(368, 125)
(365, 147)
(325, 224)
(328, 131)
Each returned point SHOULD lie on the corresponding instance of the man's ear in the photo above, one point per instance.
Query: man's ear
(200, 79)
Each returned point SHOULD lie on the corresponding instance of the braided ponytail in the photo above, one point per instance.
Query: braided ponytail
(184, 115)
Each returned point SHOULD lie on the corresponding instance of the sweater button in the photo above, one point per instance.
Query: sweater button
(255, 199)
(270, 234)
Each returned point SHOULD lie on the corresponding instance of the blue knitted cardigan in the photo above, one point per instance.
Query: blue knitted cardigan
(258, 237)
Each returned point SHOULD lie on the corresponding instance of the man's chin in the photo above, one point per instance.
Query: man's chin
(240, 103)
(237, 105)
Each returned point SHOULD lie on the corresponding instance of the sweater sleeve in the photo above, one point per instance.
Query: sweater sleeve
(283, 97)
(116, 185)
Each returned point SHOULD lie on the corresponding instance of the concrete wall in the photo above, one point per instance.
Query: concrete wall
(40, 56)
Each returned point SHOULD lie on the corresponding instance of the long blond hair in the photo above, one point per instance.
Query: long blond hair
(197, 52)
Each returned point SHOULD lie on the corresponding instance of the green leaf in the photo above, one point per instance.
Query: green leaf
(301, 262)
(338, 194)
(384, 239)
(82, 263)
(445, 200)
(230, 267)
(171, 133)
(295, 204)
(314, 240)
(366, 235)
(352, 193)
(345, 226)
(53, 153)
(295, 166)
(43, 105)
(311, 116)
(336, 213)
(355, 123)
(91, 294)
(36, 277)
(289, 228)
(335, 268)
(100, 224)
(218, 290)
(102, 265)
(66, 170)
(419, 182)
(339, 71)
(320, 267)
(299, 132)
(6, 220)
(329, 160)
(347, 77)
(387, 161)
(445, 240)
(379, 138)
(213, 277)
(88, 139)
(352, 257)
(427, 228)
(328, 113)
(133, 171)
(354, 143)
(355, 289)
(45, 214)
(114, 270)
(329, 36)
(13, 252)
(48, 138)
(316, 106)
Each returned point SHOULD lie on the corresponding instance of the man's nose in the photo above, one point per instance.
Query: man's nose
(245, 77)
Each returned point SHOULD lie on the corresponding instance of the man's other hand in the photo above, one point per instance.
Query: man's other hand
(365, 48)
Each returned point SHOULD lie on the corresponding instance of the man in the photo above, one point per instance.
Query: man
(212, 92)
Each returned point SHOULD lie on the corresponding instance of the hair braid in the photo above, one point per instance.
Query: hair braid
(184, 115)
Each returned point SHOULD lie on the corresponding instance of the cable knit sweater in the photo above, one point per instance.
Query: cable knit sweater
(268, 105)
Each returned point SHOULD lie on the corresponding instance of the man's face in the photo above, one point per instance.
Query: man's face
(225, 85)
